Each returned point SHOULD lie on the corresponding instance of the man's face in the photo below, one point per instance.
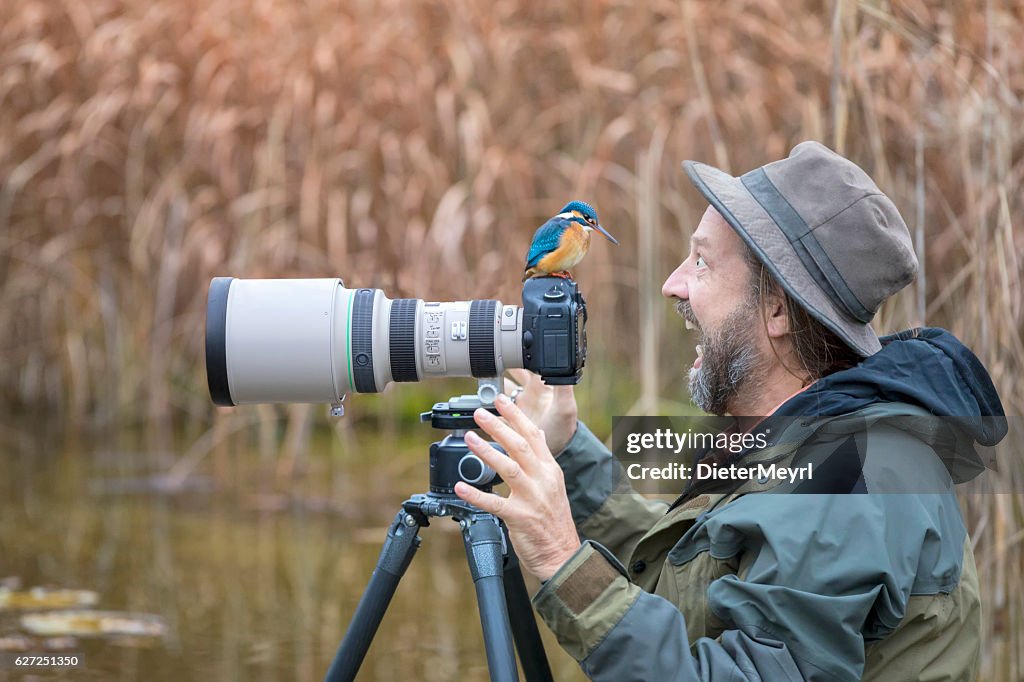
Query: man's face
(713, 290)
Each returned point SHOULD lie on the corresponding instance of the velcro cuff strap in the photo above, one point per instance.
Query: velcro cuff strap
(585, 599)
(586, 583)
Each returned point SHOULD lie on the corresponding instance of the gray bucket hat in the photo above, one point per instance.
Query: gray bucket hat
(822, 227)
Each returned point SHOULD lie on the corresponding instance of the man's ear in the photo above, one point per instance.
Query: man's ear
(776, 317)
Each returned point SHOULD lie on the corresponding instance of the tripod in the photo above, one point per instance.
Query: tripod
(505, 611)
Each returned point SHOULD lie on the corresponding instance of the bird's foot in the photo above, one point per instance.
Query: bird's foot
(564, 274)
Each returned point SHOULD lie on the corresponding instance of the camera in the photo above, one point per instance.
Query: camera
(314, 340)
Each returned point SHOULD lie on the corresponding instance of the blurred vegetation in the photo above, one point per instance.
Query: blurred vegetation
(414, 146)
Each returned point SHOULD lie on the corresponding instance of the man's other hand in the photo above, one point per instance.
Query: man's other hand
(551, 408)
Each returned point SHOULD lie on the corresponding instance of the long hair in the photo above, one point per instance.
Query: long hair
(817, 349)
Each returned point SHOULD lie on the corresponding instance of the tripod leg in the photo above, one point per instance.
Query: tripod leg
(398, 550)
(524, 625)
(484, 539)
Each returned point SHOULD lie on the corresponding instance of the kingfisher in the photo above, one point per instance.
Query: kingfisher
(562, 241)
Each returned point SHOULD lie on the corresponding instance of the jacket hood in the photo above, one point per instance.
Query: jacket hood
(925, 367)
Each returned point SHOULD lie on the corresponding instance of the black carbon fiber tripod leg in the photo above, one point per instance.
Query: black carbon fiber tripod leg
(399, 548)
(524, 626)
(484, 539)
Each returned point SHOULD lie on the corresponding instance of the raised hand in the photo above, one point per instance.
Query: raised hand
(551, 408)
(537, 509)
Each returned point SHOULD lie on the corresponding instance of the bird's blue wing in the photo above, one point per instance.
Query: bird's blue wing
(546, 239)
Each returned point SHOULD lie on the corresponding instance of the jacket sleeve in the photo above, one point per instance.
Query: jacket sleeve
(618, 632)
(822, 576)
(604, 506)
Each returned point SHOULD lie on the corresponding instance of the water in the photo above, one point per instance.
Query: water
(253, 576)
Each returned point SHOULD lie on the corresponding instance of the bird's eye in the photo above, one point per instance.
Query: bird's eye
(590, 220)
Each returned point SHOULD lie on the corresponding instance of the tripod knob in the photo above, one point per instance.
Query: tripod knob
(472, 470)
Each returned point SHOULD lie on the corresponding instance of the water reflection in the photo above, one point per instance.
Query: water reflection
(253, 580)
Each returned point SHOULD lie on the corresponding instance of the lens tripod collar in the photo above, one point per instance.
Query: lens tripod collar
(456, 414)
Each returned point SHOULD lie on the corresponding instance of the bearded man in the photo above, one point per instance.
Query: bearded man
(863, 572)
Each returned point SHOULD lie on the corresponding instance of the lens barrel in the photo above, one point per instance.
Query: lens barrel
(314, 340)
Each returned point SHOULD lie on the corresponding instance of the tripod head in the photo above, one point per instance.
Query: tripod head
(451, 460)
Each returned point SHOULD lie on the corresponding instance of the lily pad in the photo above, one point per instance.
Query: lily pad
(25, 643)
(16, 643)
(82, 623)
(45, 598)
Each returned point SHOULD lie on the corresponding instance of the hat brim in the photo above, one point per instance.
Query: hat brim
(759, 231)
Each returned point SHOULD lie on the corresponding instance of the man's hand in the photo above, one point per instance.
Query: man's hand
(537, 509)
(551, 408)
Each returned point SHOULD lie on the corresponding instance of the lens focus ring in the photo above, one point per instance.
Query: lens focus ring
(402, 339)
(481, 338)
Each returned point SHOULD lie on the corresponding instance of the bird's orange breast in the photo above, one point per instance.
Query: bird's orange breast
(574, 245)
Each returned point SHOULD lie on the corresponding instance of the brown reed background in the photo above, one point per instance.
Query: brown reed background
(146, 146)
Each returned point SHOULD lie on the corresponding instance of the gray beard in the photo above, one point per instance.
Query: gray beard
(731, 361)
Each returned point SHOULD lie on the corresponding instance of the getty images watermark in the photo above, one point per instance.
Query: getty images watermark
(706, 438)
(911, 452)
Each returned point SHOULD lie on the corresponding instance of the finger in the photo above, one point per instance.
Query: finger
(535, 379)
(489, 502)
(511, 386)
(529, 398)
(533, 403)
(522, 376)
(514, 444)
(531, 383)
(509, 469)
(521, 423)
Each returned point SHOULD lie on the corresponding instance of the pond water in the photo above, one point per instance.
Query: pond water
(249, 575)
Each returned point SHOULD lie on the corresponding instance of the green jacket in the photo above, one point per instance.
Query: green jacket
(749, 583)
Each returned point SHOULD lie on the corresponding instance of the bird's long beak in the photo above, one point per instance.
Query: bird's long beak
(603, 231)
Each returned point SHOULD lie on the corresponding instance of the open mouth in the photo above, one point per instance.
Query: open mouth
(700, 357)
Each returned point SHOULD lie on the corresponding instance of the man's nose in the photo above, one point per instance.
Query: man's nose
(676, 285)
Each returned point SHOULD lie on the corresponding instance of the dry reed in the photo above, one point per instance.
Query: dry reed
(147, 146)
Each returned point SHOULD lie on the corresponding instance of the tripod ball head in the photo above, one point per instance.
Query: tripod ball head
(452, 461)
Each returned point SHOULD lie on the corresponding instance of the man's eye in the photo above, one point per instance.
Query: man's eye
(700, 261)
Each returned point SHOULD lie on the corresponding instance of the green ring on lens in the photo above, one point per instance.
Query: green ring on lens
(348, 342)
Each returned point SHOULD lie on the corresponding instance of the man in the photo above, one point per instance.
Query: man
(785, 272)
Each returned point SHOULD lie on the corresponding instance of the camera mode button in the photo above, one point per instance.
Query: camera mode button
(554, 294)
